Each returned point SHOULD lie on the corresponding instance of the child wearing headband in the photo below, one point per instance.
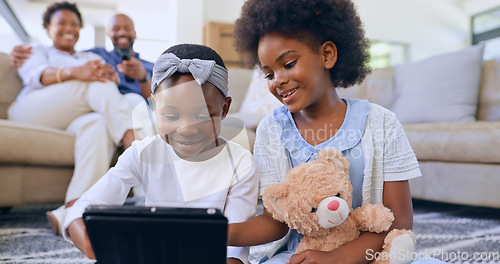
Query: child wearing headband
(187, 164)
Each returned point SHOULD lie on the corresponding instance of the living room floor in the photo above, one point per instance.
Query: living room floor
(454, 233)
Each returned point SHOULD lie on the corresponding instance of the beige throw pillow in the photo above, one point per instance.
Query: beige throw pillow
(258, 101)
(489, 91)
(442, 88)
(378, 88)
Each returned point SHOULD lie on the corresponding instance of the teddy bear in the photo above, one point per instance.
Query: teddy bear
(316, 200)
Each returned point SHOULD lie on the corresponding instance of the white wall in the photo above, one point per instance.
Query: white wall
(472, 7)
(162, 23)
(8, 36)
(30, 15)
(155, 25)
(429, 27)
(225, 11)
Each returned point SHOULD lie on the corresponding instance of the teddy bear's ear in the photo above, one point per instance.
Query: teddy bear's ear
(271, 197)
(336, 157)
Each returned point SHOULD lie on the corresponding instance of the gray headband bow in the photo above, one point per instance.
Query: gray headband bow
(202, 70)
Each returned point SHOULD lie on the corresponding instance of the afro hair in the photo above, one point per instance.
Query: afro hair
(312, 22)
(47, 15)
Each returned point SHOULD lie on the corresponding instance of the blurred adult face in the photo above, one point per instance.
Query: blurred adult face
(121, 31)
(64, 30)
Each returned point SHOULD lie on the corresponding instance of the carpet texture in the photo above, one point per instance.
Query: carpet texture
(455, 234)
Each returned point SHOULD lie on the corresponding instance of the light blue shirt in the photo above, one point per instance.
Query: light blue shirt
(125, 86)
(347, 140)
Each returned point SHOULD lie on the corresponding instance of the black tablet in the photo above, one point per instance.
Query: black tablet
(131, 234)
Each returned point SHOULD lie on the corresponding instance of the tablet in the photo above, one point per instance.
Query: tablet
(131, 234)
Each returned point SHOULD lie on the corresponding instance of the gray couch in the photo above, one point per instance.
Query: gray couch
(36, 163)
(460, 161)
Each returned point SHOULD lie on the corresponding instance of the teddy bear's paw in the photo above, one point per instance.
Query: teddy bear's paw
(373, 218)
(399, 246)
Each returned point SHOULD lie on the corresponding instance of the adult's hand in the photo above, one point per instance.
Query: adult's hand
(132, 68)
(94, 70)
(19, 54)
(109, 73)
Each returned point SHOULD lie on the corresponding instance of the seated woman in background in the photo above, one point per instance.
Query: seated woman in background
(76, 92)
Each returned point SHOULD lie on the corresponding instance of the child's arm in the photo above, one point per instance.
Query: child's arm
(233, 261)
(268, 155)
(244, 228)
(256, 231)
(110, 189)
(78, 234)
(397, 198)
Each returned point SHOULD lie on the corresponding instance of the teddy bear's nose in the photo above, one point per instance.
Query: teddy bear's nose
(333, 205)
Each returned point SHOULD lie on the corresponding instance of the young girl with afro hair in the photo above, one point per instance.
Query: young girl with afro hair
(306, 49)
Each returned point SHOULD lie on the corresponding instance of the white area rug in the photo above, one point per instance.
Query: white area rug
(456, 234)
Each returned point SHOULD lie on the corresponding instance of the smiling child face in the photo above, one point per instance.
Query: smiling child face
(189, 115)
(297, 75)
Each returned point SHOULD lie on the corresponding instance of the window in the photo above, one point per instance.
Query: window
(485, 28)
(11, 18)
(385, 54)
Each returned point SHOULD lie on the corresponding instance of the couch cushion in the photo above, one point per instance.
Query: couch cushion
(475, 142)
(10, 84)
(21, 184)
(35, 145)
(443, 88)
(238, 81)
(463, 183)
(489, 92)
(378, 87)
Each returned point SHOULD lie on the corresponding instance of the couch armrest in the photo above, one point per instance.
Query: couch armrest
(10, 84)
(26, 144)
